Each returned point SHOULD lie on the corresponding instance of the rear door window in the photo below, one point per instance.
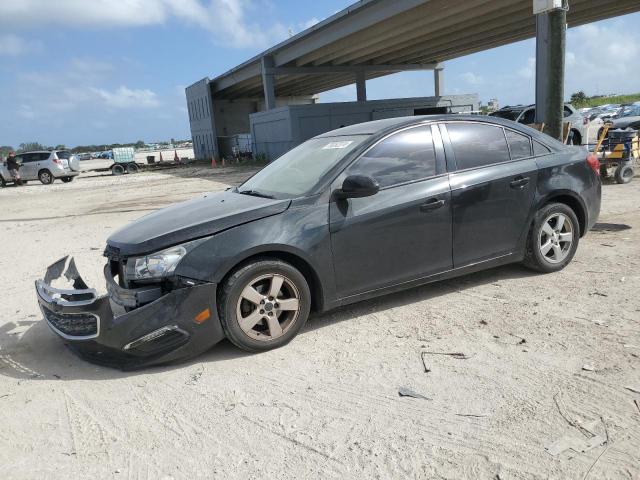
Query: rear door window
(44, 156)
(477, 144)
(519, 144)
(404, 157)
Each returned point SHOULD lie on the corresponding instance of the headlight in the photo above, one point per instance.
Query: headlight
(160, 264)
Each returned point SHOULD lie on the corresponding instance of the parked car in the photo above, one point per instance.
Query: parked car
(44, 166)
(84, 156)
(527, 115)
(348, 215)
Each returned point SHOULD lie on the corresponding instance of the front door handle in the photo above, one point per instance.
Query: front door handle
(431, 204)
(519, 182)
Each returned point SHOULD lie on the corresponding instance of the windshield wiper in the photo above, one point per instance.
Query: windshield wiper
(255, 193)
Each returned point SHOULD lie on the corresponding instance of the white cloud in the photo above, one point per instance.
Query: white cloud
(227, 20)
(309, 23)
(13, 45)
(124, 97)
(529, 70)
(472, 78)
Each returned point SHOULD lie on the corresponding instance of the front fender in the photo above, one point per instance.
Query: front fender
(301, 232)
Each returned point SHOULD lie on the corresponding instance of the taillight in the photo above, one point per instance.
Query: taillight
(55, 159)
(594, 163)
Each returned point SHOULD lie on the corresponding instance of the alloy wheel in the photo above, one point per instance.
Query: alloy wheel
(556, 238)
(268, 306)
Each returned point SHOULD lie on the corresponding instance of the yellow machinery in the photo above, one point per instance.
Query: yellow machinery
(618, 149)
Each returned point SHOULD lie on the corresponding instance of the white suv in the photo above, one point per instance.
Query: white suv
(44, 166)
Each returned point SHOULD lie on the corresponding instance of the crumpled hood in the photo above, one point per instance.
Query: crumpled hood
(624, 122)
(192, 219)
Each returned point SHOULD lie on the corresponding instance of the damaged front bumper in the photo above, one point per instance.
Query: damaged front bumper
(129, 328)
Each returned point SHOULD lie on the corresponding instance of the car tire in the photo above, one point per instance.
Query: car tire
(67, 179)
(549, 248)
(247, 296)
(575, 138)
(132, 168)
(3, 183)
(45, 177)
(117, 170)
(624, 174)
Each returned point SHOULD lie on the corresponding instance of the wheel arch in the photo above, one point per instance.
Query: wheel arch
(571, 200)
(576, 133)
(296, 260)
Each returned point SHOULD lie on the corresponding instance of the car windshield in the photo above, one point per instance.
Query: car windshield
(508, 114)
(299, 170)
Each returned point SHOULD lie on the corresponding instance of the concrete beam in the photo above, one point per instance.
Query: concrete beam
(268, 83)
(438, 81)
(361, 86)
(327, 69)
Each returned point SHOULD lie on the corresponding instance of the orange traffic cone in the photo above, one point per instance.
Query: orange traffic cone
(213, 162)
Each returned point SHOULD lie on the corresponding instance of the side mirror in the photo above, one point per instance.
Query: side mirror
(358, 186)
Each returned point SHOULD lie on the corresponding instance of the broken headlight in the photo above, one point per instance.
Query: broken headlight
(159, 264)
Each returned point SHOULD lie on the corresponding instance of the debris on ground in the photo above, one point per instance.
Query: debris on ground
(633, 389)
(600, 294)
(406, 392)
(474, 415)
(637, 405)
(456, 355)
(588, 368)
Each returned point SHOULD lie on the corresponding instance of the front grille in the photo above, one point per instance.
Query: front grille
(72, 325)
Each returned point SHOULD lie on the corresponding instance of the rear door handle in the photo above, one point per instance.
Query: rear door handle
(431, 204)
(519, 182)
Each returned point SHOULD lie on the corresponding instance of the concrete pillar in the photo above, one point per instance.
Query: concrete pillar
(361, 86)
(550, 57)
(542, 50)
(438, 81)
(268, 84)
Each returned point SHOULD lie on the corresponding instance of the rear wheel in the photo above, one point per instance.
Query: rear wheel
(624, 173)
(45, 177)
(132, 168)
(2, 182)
(264, 304)
(117, 170)
(553, 238)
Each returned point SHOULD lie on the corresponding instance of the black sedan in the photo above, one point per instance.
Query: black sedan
(349, 215)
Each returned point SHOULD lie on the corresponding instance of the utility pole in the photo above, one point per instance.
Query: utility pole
(551, 25)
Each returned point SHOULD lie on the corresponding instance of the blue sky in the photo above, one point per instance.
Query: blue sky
(102, 71)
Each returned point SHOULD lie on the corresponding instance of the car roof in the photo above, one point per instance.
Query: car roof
(39, 151)
(380, 128)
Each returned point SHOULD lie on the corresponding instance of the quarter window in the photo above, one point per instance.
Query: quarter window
(404, 157)
(519, 144)
(539, 149)
(477, 144)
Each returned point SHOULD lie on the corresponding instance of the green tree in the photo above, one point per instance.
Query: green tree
(578, 98)
(140, 144)
(60, 147)
(29, 146)
(4, 151)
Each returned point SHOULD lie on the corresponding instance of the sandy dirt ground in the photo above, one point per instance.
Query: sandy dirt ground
(547, 358)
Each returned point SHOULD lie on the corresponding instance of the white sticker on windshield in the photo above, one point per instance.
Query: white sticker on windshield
(335, 145)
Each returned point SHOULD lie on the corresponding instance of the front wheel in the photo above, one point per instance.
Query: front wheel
(553, 238)
(45, 177)
(264, 304)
